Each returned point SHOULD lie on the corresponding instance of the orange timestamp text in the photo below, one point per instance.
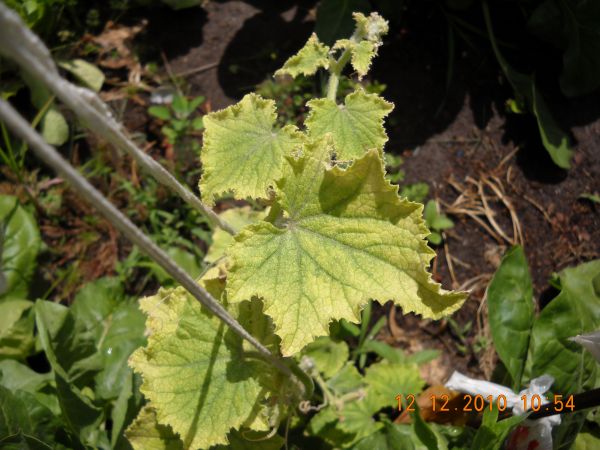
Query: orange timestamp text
(478, 403)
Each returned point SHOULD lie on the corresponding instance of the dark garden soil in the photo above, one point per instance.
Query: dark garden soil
(453, 135)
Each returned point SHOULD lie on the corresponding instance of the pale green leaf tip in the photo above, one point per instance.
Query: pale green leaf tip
(187, 369)
(356, 126)
(243, 152)
(313, 56)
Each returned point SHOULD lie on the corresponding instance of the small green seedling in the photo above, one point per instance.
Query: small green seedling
(436, 222)
(178, 118)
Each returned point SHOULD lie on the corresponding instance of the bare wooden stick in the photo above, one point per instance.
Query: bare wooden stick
(20, 44)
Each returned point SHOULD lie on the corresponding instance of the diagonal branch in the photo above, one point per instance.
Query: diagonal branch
(20, 44)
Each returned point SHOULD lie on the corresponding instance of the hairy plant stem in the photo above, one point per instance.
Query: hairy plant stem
(20, 44)
(330, 398)
(337, 66)
(50, 156)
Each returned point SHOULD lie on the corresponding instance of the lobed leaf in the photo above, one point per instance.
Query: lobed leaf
(243, 151)
(344, 237)
(328, 356)
(237, 218)
(355, 126)
(145, 433)
(195, 371)
(385, 381)
(362, 53)
(308, 60)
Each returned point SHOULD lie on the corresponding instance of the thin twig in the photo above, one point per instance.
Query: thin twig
(195, 70)
(20, 44)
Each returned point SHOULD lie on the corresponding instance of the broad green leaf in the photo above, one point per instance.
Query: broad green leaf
(391, 437)
(160, 112)
(117, 327)
(54, 128)
(357, 418)
(145, 433)
(237, 218)
(19, 246)
(574, 28)
(334, 18)
(243, 152)
(348, 379)
(576, 310)
(492, 433)
(18, 377)
(82, 417)
(554, 139)
(194, 370)
(180, 106)
(16, 329)
(87, 74)
(423, 431)
(308, 60)
(328, 356)
(386, 380)
(125, 408)
(345, 237)
(362, 53)
(71, 342)
(355, 126)
(325, 424)
(511, 312)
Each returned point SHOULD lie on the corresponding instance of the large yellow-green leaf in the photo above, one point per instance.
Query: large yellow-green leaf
(356, 126)
(237, 218)
(362, 53)
(387, 380)
(345, 236)
(145, 433)
(195, 372)
(243, 152)
(308, 60)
